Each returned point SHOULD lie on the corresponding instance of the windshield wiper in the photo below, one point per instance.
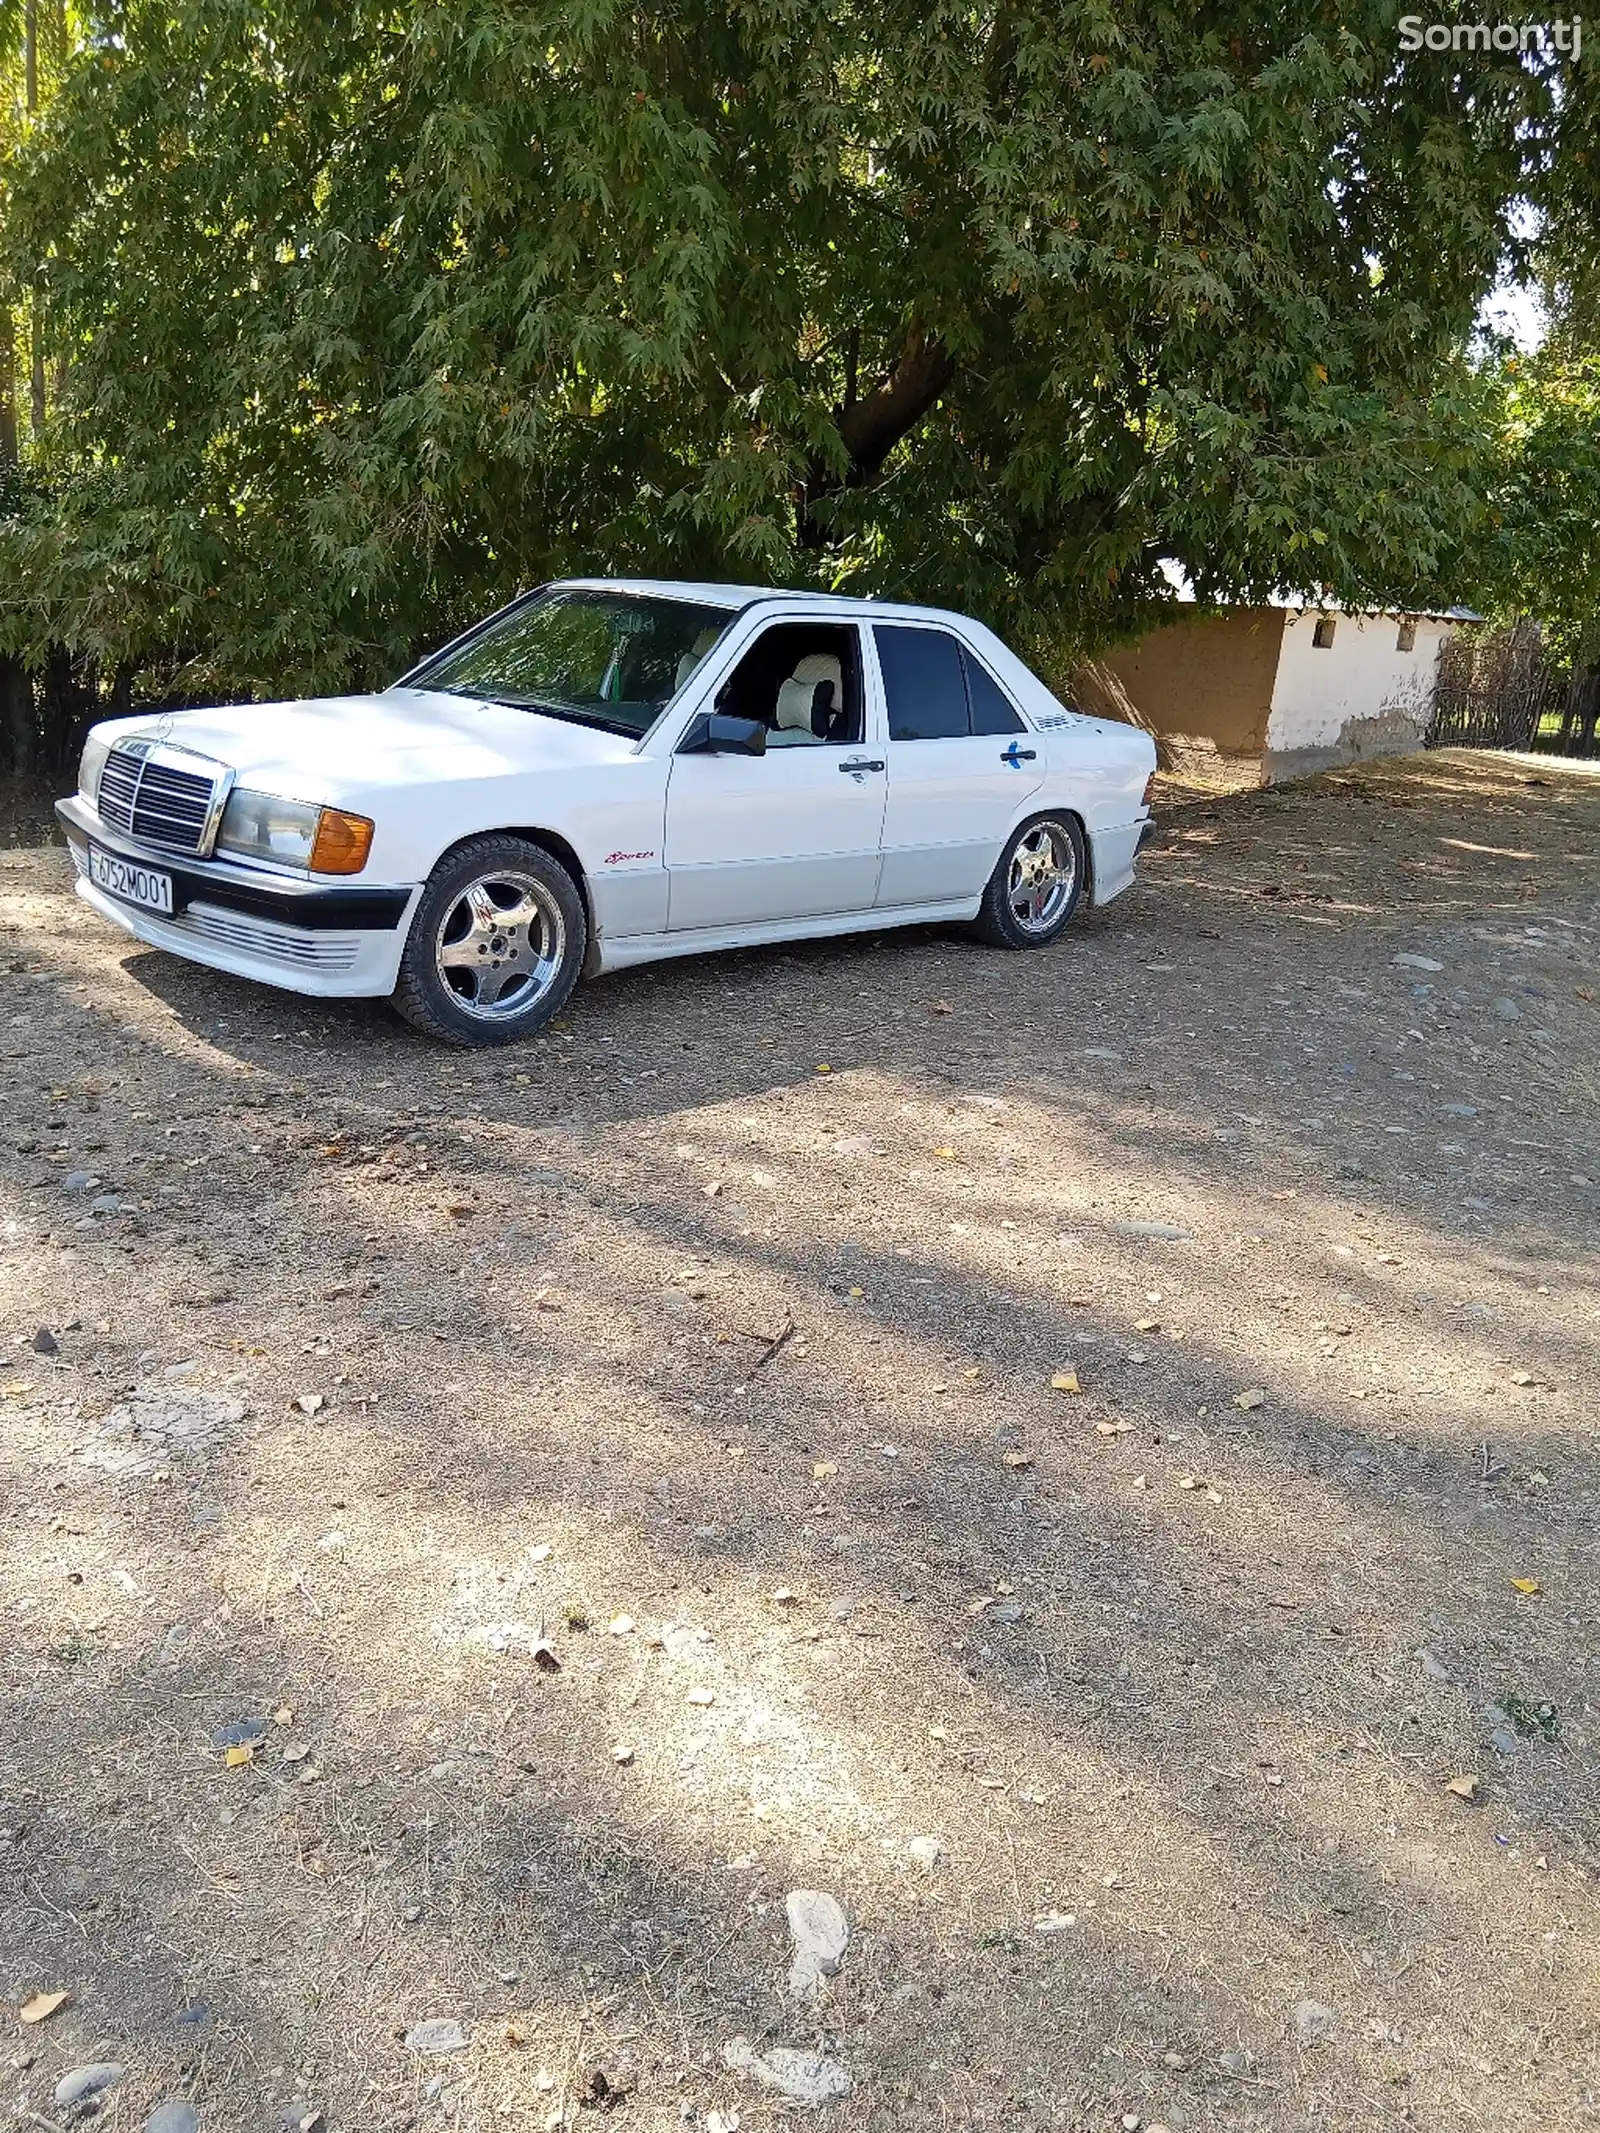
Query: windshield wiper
(569, 713)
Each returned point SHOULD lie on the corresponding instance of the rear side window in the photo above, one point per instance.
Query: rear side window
(935, 690)
(992, 709)
(923, 683)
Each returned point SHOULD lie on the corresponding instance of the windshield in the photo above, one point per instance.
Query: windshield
(608, 659)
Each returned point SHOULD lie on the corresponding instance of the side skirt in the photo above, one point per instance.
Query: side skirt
(655, 947)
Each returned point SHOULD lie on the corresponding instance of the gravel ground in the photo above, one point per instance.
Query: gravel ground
(600, 1488)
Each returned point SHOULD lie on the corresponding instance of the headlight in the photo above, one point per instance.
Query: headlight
(90, 764)
(255, 825)
(292, 833)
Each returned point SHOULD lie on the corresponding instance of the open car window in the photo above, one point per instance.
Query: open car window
(609, 659)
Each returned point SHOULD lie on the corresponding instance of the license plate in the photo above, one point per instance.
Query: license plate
(129, 881)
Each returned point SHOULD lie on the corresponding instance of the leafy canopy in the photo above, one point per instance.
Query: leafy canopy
(375, 313)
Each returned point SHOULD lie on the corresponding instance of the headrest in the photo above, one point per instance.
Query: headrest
(692, 658)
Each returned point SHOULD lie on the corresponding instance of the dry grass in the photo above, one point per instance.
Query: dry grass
(538, 1294)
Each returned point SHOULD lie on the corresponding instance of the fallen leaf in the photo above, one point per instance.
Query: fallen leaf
(1250, 1400)
(513, 2033)
(310, 1403)
(1112, 1429)
(296, 1752)
(940, 1007)
(545, 1658)
(1018, 1460)
(1464, 1788)
(1147, 1325)
(1187, 1481)
(1065, 1381)
(822, 1469)
(16, 1390)
(713, 1189)
(945, 1155)
(1526, 1586)
(824, 1068)
(283, 1715)
(42, 2006)
(234, 1757)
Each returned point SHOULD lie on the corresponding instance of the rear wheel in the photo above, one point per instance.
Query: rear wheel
(496, 945)
(1035, 888)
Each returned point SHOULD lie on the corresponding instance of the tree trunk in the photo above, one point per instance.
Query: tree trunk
(871, 425)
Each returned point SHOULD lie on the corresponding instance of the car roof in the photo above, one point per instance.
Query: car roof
(743, 596)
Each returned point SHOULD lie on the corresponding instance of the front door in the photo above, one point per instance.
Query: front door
(793, 833)
(961, 766)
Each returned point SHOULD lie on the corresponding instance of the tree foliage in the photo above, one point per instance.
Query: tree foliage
(376, 313)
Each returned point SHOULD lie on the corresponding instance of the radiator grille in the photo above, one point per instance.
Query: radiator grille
(156, 801)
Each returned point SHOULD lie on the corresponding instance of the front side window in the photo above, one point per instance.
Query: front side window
(801, 680)
(608, 659)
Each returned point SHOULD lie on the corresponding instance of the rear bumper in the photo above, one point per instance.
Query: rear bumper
(329, 941)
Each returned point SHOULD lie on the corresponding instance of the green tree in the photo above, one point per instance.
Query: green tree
(377, 313)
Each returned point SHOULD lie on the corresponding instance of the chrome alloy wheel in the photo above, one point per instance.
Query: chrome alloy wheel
(1043, 874)
(500, 945)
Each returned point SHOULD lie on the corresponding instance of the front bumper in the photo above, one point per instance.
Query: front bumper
(1146, 833)
(307, 937)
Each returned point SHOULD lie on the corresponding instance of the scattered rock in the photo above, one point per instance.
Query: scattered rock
(45, 1342)
(1250, 1400)
(1234, 2062)
(79, 1181)
(1161, 1231)
(86, 2081)
(174, 2116)
(804, 2077)
(1415, 962)
(439, 2034)
(240, 1733)
(927, 1851)
(1313, 2022)
(1508, 1010)
(1432, 1665)
(821, 1933)
(157, 1423)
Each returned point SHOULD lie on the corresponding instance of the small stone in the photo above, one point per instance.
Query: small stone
(439, 2034)
(176, 2115)
(1432, 1665)
(1408, 961)
(193, 2015)
(1161, 1231)
(106, 1203)
(1250, 1400)
(1313, 2022)
(821, 1933)
(1504, 1741)
(1508, 1010)
(45, 1342)
(240, 1733)
(927, 1851)
(1233, 2062)
(804, 2077)
(79, 1181)
(86, 2081)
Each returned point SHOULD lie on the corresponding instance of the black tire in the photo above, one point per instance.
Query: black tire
(496, 968)
(999, 920)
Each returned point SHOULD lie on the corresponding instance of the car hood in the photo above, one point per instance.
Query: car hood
(320, 748)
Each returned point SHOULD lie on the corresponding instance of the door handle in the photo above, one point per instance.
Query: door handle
(858, 763)
(1015, 755)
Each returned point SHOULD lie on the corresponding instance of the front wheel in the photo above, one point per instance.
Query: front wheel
(496, 945)
(1034, 889)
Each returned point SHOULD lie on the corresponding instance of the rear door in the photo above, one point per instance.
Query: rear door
(962, 764)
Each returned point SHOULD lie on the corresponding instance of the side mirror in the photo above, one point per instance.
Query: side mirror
(715, 733)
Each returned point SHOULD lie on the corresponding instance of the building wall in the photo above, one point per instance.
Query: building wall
(1359, 697)
(1205, 681)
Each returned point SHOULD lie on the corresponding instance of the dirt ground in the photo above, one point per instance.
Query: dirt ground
(711, 1340)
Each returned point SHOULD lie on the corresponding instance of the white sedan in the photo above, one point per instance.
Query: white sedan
(604, 773)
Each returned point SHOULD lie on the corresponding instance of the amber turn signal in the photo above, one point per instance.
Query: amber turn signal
(341, 844)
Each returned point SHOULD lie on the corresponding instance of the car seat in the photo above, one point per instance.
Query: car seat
(811, 702)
